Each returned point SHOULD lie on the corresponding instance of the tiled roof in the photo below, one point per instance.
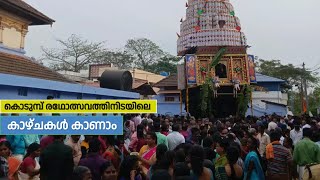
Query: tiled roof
(145, 75)
(21, 8)
(23, 66)
(91, 83)
(265, 78)
(171, 80)
(138, 82)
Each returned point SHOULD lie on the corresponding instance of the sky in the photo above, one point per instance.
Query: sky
(287, 30)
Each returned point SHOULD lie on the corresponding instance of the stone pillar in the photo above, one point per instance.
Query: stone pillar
(1, 32)
(23, 36)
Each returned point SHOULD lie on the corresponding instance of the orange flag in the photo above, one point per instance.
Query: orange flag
(304, 106)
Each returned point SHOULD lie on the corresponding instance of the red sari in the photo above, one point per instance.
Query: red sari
(148, 154)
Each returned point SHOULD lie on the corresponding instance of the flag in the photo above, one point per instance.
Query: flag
(304, 106)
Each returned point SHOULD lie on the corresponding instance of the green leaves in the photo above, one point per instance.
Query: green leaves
(243, 100)
(237, 70)
(200, 12)
(144, 51)
(232, 13)
(289, 72)
(167, 64)
(206, 100)
(203, 69)
(217, 57)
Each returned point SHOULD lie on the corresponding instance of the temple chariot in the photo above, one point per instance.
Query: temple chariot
(217, 68)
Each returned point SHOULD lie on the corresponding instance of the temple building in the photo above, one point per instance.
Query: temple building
(217, 71)
(23, 78)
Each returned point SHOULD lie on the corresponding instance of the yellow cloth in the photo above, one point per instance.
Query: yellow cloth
(85, 144)
(143, 150)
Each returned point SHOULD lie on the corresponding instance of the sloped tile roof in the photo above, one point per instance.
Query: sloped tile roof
(171, 80)
(23, 9)
(23, 66)
(145, 75)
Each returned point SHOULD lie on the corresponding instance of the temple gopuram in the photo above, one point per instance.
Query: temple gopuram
(217, 68)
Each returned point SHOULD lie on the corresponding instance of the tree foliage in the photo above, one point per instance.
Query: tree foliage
(120, 59)
(293, 75)
(314, 101)
(75, 54)
(167, 64)
(145, 52)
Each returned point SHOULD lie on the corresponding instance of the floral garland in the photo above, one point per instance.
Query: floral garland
(243, 100)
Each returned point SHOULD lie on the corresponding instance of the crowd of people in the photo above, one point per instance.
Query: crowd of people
(162, 147)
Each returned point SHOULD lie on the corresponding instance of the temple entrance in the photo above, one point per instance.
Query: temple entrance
(225, 104)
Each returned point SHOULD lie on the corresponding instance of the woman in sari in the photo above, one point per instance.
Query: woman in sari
(137, 139)
(112, 152)
(252, 164)
(30, 168)
(221, 148)
(147, 154)
(9, 164)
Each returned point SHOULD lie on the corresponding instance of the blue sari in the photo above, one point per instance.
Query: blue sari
(257, 172)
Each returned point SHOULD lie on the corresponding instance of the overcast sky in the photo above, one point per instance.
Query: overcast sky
(288, 30)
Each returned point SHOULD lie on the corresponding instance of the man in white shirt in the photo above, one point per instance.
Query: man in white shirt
(175, 138)
(264, 140)
(296, 133)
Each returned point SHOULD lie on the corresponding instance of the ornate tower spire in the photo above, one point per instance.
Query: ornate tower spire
(210, 23)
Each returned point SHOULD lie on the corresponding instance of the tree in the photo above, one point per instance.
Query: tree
(314, 100)
(167, 64)
(293, 75)
(119, 58)
(75, 54)
(145, 52)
